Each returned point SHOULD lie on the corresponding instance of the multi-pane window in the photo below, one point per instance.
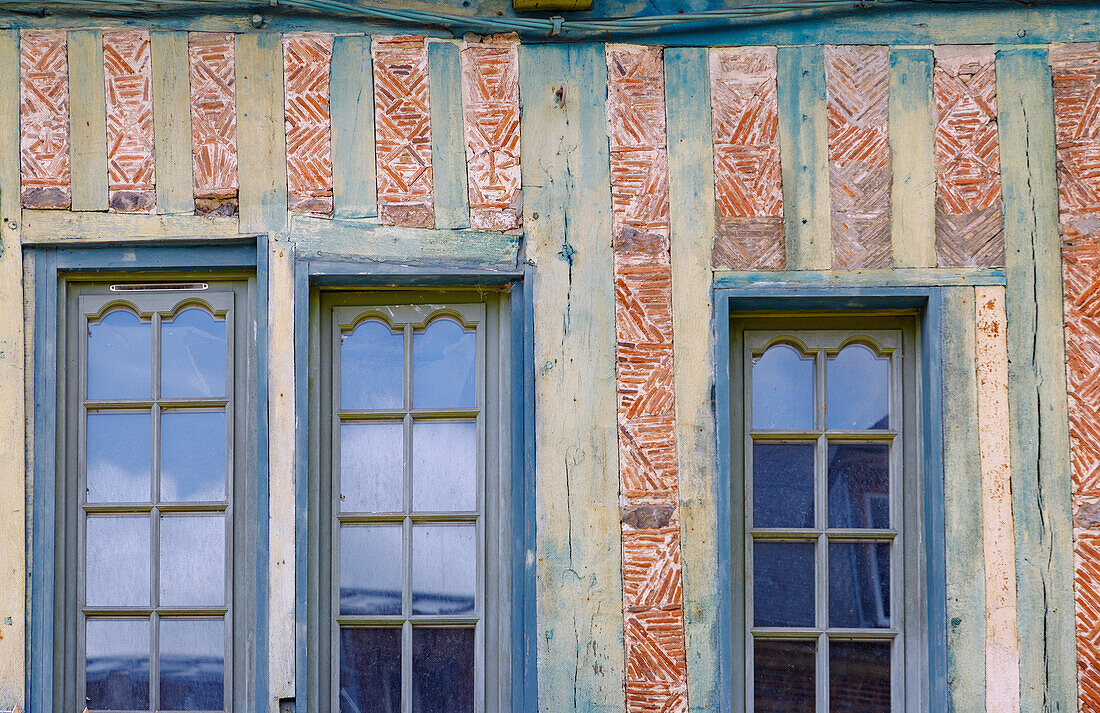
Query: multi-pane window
(825, 512)
(412, 511)
(151, 463)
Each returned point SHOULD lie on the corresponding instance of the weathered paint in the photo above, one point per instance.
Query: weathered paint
(1076, 77)
(913, 191)
(306, 60)
(172, 122)
(963, 517)
(261, 139)
(87, 121)
(13, 477)
(969, 221)
(656, 668)
(128, 82)
(578, 558)
(804, 153)
(213, 122)
(351, 102)
(403, 132)
(44, 116)
(747, 181)
(59, 226)
(449, 181)
(1037, 381)
(1002, 656)
(691, 218)
(858, 87)
(490, 105)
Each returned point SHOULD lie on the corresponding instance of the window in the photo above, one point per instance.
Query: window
(157, 382)
(413, 505)
(832, 512)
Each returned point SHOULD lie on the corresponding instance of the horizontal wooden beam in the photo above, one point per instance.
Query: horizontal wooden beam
(58, 227)
(899, 277)
(369, 239)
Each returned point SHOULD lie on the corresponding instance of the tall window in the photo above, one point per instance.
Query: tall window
(154, 447)
(831, 508)
(414, 499)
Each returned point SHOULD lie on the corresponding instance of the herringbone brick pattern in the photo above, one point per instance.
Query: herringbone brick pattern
(969, 221)
(44, 119)
(403, 131)
(128, 79)
(213, 122)
(490, 104)
(858, 86)
(1076, 74)
(748, 187)
(656, 675)
(306, 61)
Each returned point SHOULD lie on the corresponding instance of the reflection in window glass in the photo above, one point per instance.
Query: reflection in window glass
(444, 362)
(370, 670)
(444, 465)
(859, 585)
(119, 457)
(443, 670)
(859, 485)
(784, 676)
(192, 665)
(192, 560)
(782, 390)
(371, 367)
(120, 357)
(192, 455)
(192, 363)
(857, 389)
(783, 583)
(117, 564)
(859, 676)
(444, 569)
(370, 569)
(783, 485)
(372, 457)
(117, 664)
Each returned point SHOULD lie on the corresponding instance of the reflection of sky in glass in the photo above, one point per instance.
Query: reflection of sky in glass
(444, 465)
(119, 457)
(783, 390)
(193, 355)
(192, 560)
(117, 670)
(371, 367)
(371, 463)
(444, 569)
(858, 389)
(192, 664)
(370, 569)
(120, 357)
(444, 357)
(117, 572)
(192, 455)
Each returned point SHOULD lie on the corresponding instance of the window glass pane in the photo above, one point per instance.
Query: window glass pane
(192, 355)
(371, 464)
(443, 670)
(783, 676)
(858, 389)
(370, 671)
(783, 485)
(783, 583)
(783, 389)
(859, 676)
(117, 569)
(444, 569)
(119, 457)
(192, 455)
(859, 485)
(117, 664)
(444, 361)
(120, 357)
(371, 367)
(192, 664)
(192, 560)
(444, 465)
(370, 569)
(859, 584)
